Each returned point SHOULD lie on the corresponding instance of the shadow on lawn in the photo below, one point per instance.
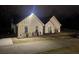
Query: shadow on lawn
(75, 35)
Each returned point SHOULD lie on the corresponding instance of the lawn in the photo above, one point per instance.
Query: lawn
(66, 50)
(70, 43)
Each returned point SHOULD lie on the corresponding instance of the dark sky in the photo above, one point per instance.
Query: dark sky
(68, 15)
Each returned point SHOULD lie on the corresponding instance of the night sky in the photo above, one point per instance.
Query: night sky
(68, 15)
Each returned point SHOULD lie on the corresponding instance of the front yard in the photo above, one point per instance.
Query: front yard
(53, 43)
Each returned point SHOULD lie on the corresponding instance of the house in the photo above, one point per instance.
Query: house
(30, 26)
(49, 27)
(53, 25)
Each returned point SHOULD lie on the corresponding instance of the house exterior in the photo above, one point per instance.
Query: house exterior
(49, 27)
(30, 26)
(52, 26)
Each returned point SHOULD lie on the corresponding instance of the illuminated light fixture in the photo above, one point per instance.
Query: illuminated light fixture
(31, 14)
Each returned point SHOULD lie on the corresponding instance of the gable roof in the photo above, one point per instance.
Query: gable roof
(32, 15)
(38, 19)
(42, 20)
(54, 20)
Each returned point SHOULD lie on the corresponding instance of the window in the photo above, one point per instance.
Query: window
(49, 29)
(36, 31)
(26, 29)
